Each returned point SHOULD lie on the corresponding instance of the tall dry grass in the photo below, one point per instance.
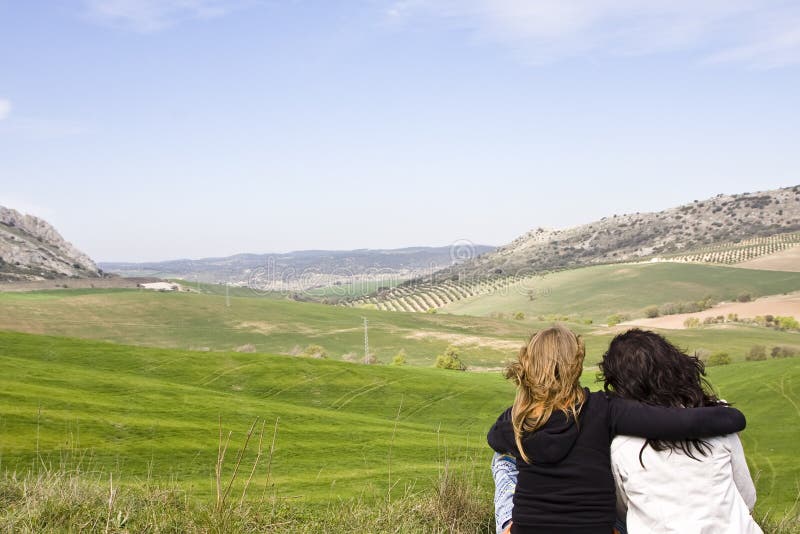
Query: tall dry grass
(73, 497)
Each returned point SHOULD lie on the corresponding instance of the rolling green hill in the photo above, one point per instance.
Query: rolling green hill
(597, 292)
(769, 394)
(202, 322)
(152, 414)
(136, 411)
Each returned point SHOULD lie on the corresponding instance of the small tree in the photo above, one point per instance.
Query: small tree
(719, 358)
(651, 312)
(450, 359)
(691, 322)
(782, 351)
(787, 323)
(617, 318)
(399, 358)
(757, 353)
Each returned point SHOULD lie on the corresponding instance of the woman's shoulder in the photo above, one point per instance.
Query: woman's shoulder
(597, 400)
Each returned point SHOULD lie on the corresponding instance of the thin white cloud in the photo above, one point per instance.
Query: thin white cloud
(154, 15)
(5, 108)
(762, 33)
(41, 128)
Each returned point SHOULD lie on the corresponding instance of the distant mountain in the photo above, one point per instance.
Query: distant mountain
(636, 236)
(31, 249)
(306, 268)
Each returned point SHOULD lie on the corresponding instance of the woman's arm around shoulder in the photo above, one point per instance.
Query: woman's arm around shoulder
(501, 435)
(632, 418)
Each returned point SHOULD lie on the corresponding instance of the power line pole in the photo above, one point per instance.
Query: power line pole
(366, 342)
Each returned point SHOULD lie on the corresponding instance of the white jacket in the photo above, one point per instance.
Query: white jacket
(674, 493)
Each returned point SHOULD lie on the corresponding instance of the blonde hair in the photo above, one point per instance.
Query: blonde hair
(547, 374)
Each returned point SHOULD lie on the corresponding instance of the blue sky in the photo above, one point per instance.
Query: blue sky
(158, 129)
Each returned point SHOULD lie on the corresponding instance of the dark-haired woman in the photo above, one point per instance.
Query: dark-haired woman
(684, 486)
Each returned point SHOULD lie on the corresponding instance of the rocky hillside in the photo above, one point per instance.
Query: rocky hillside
(638, 236)
(31, 249)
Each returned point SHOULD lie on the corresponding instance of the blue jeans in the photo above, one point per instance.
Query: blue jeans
(504, 472)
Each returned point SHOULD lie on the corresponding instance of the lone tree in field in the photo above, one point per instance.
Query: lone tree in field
(719, 358)
(450, 360)
(757, 353)
(399, 358)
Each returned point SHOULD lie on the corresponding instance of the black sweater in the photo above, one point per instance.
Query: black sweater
(568, 487)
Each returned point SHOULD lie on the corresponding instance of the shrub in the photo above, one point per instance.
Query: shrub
(519, 316)
(450, 359)
(691, 322)
(617, 318)
(787, 323)
(744, 297)
(783, 351)
(719, 358)
(431, 310)
(651, 312)
(757, 353)
(399, 358)
(670, 309)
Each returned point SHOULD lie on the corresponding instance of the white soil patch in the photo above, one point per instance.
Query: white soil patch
(257, 327)
(462, 340)
(784, 305)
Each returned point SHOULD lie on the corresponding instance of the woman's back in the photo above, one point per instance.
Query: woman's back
(675, 493)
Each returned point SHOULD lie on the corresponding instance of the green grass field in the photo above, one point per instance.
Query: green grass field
(136, 411)
(146, 413)
(202, 321)
(769, 394)
(597, 292)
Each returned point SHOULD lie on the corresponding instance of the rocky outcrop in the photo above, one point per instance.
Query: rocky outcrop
(31, 249)
(638, 236)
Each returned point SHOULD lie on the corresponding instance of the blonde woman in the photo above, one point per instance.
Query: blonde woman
(559, 434)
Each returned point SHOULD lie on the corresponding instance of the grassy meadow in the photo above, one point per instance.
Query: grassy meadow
(203, 322)
(344, 431)
(599, 291)
(143, 412)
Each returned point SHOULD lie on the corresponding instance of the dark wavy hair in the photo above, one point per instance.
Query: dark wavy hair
(644, 366)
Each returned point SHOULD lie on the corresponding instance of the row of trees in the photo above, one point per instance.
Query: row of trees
(777, 322)
(755, 354)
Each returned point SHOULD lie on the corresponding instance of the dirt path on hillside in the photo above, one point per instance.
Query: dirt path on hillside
(785, 305)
